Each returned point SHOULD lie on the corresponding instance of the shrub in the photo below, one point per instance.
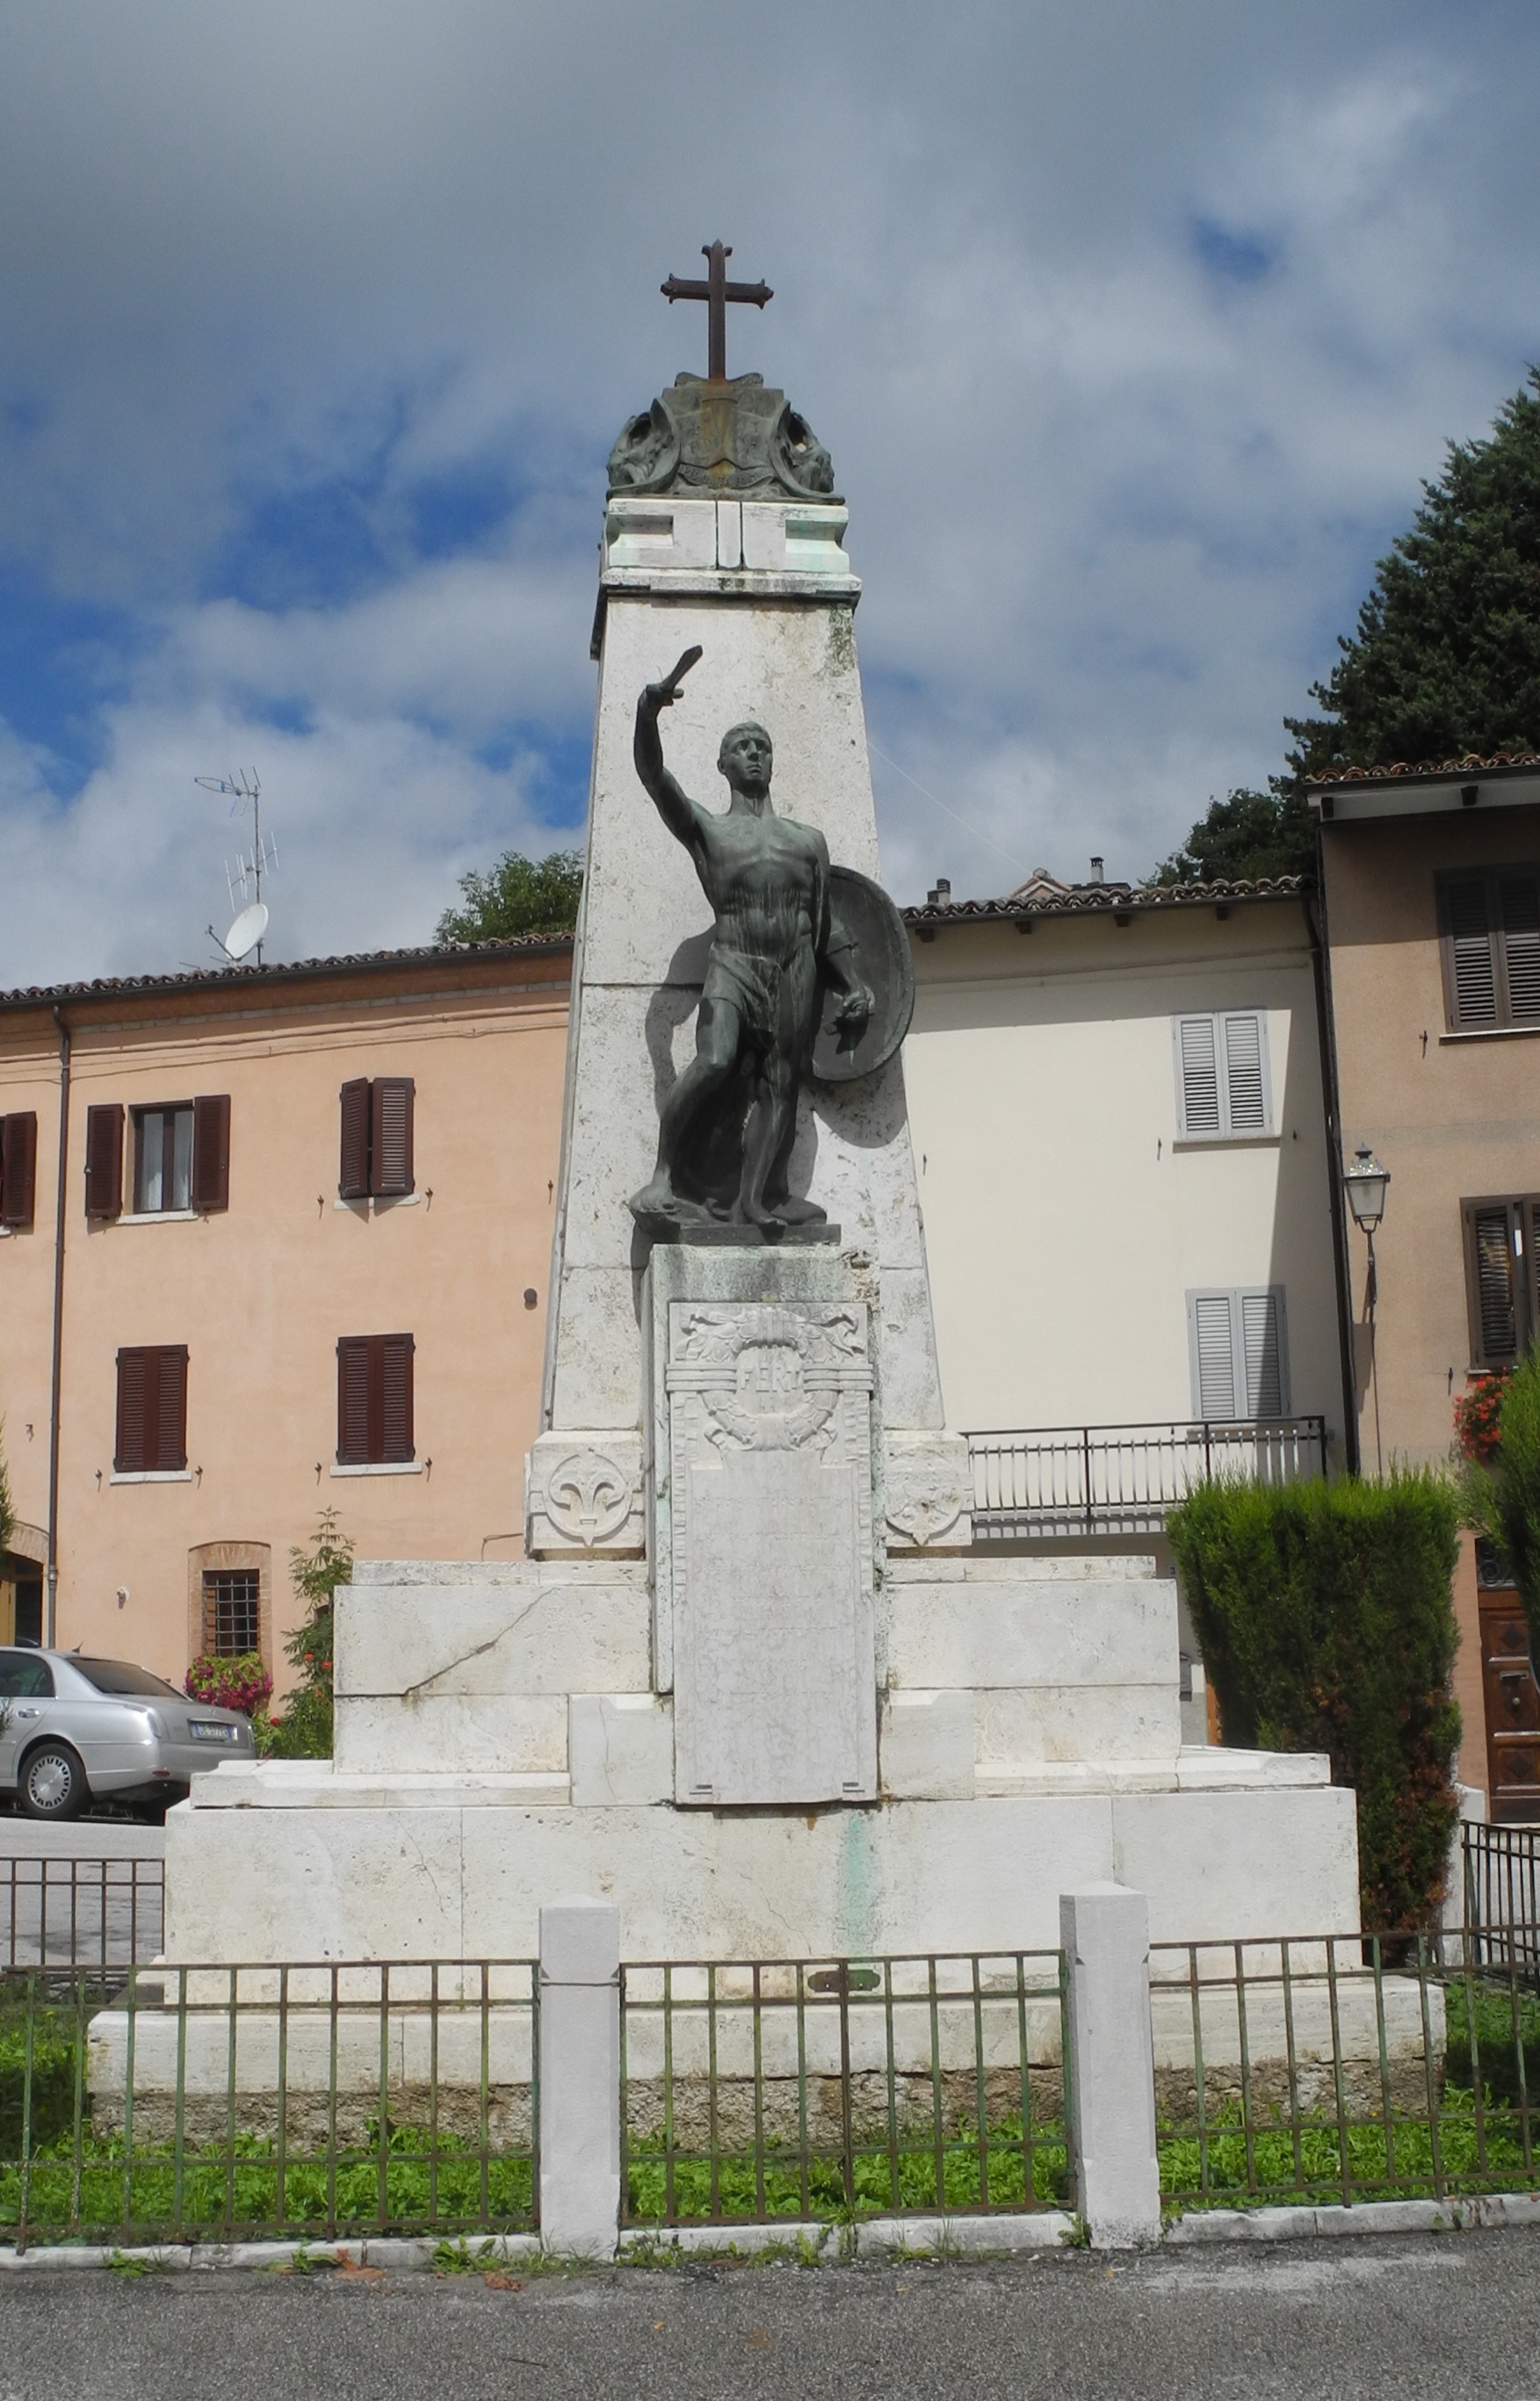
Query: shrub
(241, 1683)
(304, 1729)
(1326, 1623)
(1500, 1488)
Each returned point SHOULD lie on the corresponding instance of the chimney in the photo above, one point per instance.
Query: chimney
(941, 895)
(1096, 866)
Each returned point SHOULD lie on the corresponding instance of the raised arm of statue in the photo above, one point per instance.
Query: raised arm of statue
(674, 805)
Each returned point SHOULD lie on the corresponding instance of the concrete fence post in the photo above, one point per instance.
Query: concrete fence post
(580, 2079)
(1104, 1931)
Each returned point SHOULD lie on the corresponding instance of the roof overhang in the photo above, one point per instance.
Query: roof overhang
(1444, 792)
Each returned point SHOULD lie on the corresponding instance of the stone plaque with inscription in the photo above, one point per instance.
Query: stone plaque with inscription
(768, 1407)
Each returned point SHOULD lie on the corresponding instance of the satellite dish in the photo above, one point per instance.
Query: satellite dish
(247, 930)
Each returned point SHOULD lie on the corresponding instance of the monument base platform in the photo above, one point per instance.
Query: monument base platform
(371, 1867)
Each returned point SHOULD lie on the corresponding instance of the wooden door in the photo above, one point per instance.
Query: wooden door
(1513, 1709)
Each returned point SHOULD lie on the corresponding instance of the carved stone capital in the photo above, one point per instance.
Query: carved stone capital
(928, 1493)
(582, 1497)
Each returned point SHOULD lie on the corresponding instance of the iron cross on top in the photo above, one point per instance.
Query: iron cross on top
(715, 292)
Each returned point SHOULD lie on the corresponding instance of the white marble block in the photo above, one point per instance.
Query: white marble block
(582, 1496)
(927, 1747)
(766, 1567)
(620, 1747)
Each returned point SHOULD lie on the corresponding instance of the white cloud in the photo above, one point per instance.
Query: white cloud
(1110, 505)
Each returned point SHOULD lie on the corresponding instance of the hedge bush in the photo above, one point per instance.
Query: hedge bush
(1326, 1623)
(1502, 1487)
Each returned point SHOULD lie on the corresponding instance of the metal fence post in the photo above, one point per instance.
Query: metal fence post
(1104, 1931)
(580, 2079)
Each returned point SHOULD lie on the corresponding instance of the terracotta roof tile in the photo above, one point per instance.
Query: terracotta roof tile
(1502, 762)
(1104, 899)
(233, 979)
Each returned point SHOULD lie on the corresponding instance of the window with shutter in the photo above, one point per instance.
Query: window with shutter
(152, 1410)
(1502, 1277)
(390, 1135)
(129, 1455)
(104, 1160)
(1520, 898)
(1490, 932)
(354, 1179)
(1223, 1088)
(18, 1167)
(1240, 1354)
(1198, 1076)
(210, 1151)
(374, 1400)
(1213, 1356)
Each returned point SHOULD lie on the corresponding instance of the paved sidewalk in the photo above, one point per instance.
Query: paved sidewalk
(1437, 2319)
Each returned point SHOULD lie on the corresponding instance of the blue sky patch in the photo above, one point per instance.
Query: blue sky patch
(1228, 255)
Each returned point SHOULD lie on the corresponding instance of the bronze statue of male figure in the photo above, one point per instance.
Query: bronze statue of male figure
(774, 944)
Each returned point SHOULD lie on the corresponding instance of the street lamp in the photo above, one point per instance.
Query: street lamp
(1366, 1183)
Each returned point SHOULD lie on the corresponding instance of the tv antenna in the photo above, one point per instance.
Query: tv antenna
(243, 876)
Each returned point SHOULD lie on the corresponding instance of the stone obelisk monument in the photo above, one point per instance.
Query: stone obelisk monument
(752, 1681)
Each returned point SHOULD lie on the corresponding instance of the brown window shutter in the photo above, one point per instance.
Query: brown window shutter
(354, 1181)
(352, 1399)
(211, 1157)
(390, 1135)
(18, 1167)
(395, 1397)
(129, 1455)
(104, 1160)
(1495, 1303)
(171, 1407)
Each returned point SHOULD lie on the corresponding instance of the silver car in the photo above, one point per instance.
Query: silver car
(77, 1729)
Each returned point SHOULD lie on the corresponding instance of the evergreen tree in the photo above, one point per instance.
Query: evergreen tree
(1445, 663)
(518, 896)
(1446, 660)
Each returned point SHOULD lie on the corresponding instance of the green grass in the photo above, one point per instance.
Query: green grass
(877, 2190)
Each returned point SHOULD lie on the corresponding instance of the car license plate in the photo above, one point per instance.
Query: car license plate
(202, 1730)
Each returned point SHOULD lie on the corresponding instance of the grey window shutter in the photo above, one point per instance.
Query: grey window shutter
(1262, 1351)
(390, 1135)
(1474, 967)
(1518, 898)
(1210, 1329)
(353, 1182)
(1247, 1092)
(1198, 1075)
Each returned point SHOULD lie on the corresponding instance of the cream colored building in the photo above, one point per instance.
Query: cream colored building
(1116, 1100)
(301, 1264)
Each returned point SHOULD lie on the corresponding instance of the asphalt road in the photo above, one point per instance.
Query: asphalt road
(1429, 2319)
(87, 1894)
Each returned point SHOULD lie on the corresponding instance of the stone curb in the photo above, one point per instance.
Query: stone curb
(1303, 2224)
(880, 2238)
(747, 2240)
(875, 2238)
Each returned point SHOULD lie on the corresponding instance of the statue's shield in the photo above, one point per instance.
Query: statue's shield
(868, 915)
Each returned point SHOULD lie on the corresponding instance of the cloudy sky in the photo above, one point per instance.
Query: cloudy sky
(1131, 330)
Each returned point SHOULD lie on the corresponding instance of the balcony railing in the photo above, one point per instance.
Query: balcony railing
(1116, 1479)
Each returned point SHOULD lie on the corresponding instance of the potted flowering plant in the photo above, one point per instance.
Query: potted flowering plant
(1478, 1415)
(241, 1683)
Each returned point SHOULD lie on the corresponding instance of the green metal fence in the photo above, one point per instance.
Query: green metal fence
(220, 2104)
(835, 2088)
(1338, 2070)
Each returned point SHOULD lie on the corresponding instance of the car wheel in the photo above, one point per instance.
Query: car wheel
(53, 1783)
